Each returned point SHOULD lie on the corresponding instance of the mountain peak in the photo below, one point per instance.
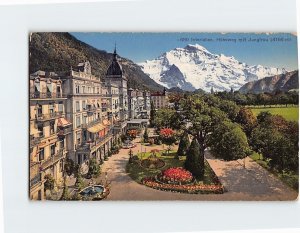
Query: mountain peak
(199, 68)
(196, 47)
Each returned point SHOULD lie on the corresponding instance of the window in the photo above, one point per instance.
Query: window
(83, 89)
(77, 106)
(79, 158)
(98, 115)
(61, 165)
(89, 90)
(78, 138)
(52, 127)
(52, 149)
(77, 121)
(60, 107)
(37, 87)
(39, 110)
(51, 108)
(76, 89)
(41, 129)
(41, 154)
(83, 105)
(84, 120)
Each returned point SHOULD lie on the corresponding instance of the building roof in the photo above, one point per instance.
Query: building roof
(115, 67)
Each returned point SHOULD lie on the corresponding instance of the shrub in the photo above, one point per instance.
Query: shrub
(184, 145)
(49, 183)
(94, 169)
(195, 160)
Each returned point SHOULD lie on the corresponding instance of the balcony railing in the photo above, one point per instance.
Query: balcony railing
(90, 124)
(35, 140)
(48, 116)
(64, 131)
(35, 180)
(89, 145)
(53, 159)
(46, 95)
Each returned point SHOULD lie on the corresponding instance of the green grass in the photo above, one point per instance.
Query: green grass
(137, 172)
(289, 113)
(291, 179)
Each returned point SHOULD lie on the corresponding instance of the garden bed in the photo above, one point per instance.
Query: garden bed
(184, 188)
(152, 178)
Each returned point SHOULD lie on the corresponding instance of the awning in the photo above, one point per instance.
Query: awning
(62, 122)
(96, 128)
(106, 122)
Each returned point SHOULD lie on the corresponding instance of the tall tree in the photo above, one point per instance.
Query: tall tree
(184, 145)
(195, 160)
(247, 119)
(229, 142)
(152, 114)
(200, 118)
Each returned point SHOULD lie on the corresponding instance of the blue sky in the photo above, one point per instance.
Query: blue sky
(264, 49)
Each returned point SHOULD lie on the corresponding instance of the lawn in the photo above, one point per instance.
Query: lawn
(291, 179)
(137, 172)
(289, 113)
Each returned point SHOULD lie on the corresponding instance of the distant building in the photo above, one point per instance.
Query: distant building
(138, 104)
(160, 99)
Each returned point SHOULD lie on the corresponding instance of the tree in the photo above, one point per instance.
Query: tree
(246, 118)
(230, 108)
(277, 140)
(166, 118)
(201, 118)
(69, 166)
(94, 168)
(146, 136)
(229, 142)
(184, 145)
(195, 160)
(152, 114)
(168, 137)
(65, 195)
(49, 183)
(79, 180)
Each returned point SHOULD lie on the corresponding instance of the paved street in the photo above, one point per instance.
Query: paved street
(252, 183)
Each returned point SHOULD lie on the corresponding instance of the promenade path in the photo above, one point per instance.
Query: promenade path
(250, 183)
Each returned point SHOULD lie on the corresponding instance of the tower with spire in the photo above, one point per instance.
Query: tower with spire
(116, 83)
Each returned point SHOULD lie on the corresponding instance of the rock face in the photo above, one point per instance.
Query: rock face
(194, 67)
(59, 51)
(283, 82)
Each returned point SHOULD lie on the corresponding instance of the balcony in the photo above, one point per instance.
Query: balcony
(34, 141)
(35, 180)
(53, 159)
(49, 116)
(64, 131)
(90, 124)
(89, 145)
(46, 95)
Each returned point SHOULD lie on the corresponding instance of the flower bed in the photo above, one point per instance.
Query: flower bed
(175, 175)
(152, 163)
(184, 188)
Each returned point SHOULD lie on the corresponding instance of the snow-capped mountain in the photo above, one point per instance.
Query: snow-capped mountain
(194, 67)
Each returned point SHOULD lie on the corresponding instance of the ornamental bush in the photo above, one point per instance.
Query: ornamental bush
(195, 160)
(184, 145)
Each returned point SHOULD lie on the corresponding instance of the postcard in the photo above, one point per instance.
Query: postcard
(163, 116)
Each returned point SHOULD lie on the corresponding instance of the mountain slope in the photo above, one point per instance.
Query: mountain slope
(282, 82)
(199, 68)
(59, 51)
